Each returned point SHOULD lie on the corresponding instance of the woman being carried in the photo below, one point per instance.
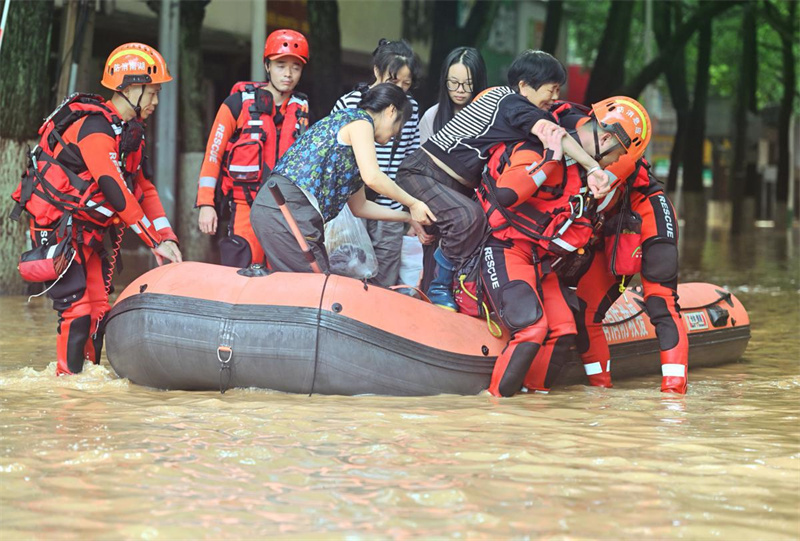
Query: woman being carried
(327, 168)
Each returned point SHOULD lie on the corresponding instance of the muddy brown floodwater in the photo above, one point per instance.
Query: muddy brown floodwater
(96, 457)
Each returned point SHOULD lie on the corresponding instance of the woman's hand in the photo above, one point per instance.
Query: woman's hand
(424, 238)
(421, 213)
(207, 221)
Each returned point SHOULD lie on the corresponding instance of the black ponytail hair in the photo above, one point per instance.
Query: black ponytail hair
(381, 96)
(473, 61)
(392, 56)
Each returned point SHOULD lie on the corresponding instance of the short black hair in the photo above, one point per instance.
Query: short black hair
(381, 96)
(536, 68)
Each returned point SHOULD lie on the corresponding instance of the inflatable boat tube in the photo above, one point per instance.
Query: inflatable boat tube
(195, 326)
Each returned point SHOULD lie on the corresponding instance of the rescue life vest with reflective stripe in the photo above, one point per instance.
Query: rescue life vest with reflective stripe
(49, 188)
(255, 147)
(557, 217)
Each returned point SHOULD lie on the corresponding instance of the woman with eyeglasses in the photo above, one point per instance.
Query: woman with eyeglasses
(463, 77)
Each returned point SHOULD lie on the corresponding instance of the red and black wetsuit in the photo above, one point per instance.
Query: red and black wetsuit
(598, 288)
(529, 191)
(126, 197)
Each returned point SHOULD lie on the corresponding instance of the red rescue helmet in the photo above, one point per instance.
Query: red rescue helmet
(629, 122)
(134, 64)
(286, 42)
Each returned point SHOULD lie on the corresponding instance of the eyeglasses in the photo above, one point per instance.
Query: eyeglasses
(452, 85)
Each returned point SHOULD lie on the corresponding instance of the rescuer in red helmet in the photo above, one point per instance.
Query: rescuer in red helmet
(89, 176)
(254, 126)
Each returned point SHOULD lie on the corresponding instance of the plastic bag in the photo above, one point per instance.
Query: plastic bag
(349, 247)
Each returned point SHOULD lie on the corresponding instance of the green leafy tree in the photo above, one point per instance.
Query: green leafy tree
(667, 16)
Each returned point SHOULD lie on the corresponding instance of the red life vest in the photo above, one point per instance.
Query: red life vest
(255, 147)
(555, 217)
(49, 189)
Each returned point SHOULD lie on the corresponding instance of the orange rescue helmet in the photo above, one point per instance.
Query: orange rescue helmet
(628, 120)
(285, 42)
(134, 64)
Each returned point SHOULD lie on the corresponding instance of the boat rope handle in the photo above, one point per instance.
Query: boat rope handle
(723, 296)
(494, 328)
(422, 294)
(316, 340)
(224, 366)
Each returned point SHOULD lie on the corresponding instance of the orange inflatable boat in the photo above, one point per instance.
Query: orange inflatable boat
(195, 326)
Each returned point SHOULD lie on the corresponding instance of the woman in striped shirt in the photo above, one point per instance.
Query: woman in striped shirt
(392, 62)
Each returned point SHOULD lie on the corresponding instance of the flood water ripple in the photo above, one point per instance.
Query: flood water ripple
(97, 457)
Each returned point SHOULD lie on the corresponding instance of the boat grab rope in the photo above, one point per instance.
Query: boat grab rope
(723, 296)
(316, 340)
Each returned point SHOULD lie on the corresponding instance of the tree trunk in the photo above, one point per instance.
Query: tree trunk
(788, 38)
(665, 13)
(13, 238)
(25, 84)
(326, 49)
(695, 208)
(25, 90)
(608, 73)
(196, 246)
(705, 12)
(695, 141)
(552, 26)
(744, 100)
(193, 136)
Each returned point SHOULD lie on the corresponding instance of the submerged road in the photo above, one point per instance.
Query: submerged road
(94, 456)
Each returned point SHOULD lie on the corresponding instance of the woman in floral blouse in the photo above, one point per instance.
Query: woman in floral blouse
(328, 167)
